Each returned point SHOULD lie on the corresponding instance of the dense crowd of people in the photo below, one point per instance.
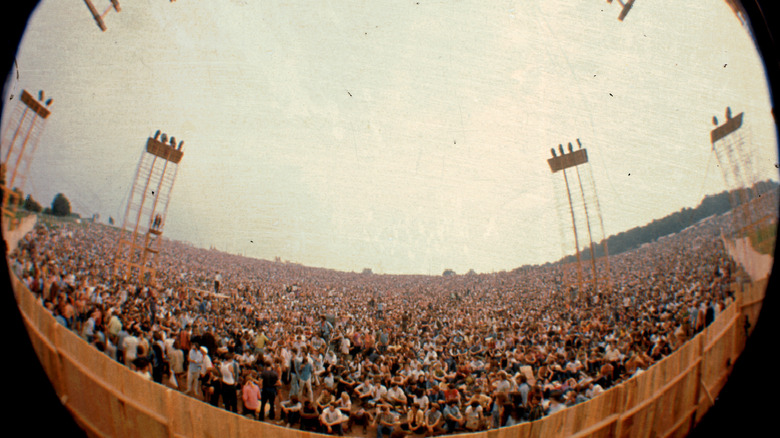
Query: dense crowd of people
(339, 352)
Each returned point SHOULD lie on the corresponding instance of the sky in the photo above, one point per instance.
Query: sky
(402, 136)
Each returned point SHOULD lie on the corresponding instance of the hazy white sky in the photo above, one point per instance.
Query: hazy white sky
(403, 137)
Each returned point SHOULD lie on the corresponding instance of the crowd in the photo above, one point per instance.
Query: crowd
(341, 352)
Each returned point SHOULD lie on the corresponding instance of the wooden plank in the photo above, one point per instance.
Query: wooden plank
(609, 421)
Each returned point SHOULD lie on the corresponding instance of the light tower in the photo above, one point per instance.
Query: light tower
(20, 140)
(584, 212)
(142, 227)
(99, 18)
(735, 151)
(625, 7)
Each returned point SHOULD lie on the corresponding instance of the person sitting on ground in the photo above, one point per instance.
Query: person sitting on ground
(474, 418)
(344, 403)
(415, 420)
(434, 421)
(453, 418)
(361, 417)
(250, 395)
(386, 421)
(332, 419)
(396, 396)
(291, 411)
(324, 399)
(310, 417)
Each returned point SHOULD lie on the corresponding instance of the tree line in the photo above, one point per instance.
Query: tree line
(60, 205)
(674, 223)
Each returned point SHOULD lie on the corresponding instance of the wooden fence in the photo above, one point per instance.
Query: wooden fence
(109, 400)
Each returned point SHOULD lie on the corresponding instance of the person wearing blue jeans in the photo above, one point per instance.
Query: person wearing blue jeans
(304, 371)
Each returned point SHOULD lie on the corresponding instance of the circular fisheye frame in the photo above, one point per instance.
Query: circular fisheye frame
(243, 218)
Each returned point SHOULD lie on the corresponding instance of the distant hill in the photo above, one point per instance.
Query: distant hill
(675, 222)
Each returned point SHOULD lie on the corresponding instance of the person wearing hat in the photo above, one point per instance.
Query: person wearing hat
(205, 366)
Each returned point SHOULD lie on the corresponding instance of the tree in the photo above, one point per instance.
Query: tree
(19, 196)
(32, 205)
(60, 206)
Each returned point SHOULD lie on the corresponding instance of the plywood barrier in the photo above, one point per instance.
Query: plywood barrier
(108, 399)
(752, 295)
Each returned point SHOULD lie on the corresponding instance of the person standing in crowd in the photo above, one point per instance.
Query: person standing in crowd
(194, 360)
(217, 282)
(591, 343)
(304, 371)
(230, 372)
(271, 381)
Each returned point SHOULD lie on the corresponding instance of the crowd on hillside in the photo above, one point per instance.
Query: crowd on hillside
(332, 351)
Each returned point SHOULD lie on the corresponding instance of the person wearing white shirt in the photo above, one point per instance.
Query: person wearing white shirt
(396, 396)
(379, 393)
(229, 371)
(474, 417)
(130, 346)
(332, 419)
(195, 360)
(364, 390)
(420, 399)
(206, 361)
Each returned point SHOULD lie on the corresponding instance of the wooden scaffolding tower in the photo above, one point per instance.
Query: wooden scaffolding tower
(139, 241)
(734, 149)
(585, 213)
(20, 140)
